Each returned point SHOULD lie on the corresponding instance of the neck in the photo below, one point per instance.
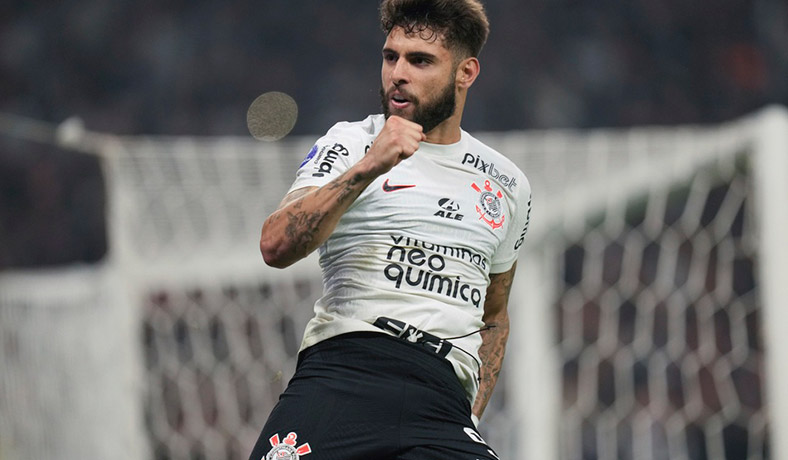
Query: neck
(448, 131)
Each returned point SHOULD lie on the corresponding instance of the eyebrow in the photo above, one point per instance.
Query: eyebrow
(413, 54)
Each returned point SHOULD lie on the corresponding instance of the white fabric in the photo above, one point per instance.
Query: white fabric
(420, 254)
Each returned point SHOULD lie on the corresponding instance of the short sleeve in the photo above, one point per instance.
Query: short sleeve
(507, 252)
(332, 155)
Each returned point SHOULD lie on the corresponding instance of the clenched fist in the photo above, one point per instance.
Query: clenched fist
(398, 140)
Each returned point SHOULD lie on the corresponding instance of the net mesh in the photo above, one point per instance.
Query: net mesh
(217, 359)
(659, 326)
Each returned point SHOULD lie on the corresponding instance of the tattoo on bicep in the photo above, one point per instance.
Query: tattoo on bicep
(501, 285)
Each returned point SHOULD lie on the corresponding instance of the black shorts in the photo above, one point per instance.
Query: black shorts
(370, 396)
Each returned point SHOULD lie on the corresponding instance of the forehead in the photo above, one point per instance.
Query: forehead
(427, 41)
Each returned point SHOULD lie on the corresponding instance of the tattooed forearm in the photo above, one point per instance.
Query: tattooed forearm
(306, 217)
(491, 354)
(302, 229)
(494, 339)
(347, 189)
(349, 186)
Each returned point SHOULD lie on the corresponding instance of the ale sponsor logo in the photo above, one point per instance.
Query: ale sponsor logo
(449, 209)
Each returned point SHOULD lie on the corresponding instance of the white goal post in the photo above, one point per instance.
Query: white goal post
(648, 315)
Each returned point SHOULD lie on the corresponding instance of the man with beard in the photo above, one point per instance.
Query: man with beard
(417, 225)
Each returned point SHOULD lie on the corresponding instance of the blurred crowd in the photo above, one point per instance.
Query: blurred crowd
(193, 67)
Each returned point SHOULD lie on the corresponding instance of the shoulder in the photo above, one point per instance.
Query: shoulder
(349, 138)
(497, 166)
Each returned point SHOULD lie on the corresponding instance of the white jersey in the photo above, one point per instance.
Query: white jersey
(419, 243)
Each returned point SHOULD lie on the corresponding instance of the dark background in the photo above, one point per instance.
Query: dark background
(193, 67)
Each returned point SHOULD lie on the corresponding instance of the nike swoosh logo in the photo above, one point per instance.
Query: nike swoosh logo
(392, 188)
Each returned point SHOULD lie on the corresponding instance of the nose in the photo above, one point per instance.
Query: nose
(398, 72)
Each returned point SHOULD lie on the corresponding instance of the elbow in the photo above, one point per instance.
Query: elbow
(273, 254)
(273, 247)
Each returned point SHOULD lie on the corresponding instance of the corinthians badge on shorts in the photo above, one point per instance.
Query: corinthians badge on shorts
(286, 450)
(489, 207)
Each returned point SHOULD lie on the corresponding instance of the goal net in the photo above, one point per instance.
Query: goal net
(646, 314)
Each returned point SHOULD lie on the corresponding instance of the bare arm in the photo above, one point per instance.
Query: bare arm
(494, 339)
(307, 217)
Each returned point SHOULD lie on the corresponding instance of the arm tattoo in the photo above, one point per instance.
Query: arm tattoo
(494, 339)
(303, 226)
(501, 285)
(347, 187)
(491, 353)
(301, 229)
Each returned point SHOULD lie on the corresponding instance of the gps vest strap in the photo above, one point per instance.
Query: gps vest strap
(413, 335)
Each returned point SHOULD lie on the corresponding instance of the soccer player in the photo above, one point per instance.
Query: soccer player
(418, 225)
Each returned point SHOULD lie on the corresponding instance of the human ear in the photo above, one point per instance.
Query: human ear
(467, 71)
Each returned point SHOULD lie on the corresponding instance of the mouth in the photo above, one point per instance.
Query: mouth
(399, 100)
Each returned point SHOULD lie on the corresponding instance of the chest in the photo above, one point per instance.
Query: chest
(439, 203)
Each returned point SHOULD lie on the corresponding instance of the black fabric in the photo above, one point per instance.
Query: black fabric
(370, 396)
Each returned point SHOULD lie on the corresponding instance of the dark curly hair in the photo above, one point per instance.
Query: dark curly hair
(462, 24)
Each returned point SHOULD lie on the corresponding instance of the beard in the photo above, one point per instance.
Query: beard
(428, 114)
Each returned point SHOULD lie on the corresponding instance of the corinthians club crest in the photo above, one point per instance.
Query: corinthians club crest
(489, 207)
(286, 449)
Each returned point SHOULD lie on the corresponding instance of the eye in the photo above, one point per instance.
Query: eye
(420, 61)
(389, 57)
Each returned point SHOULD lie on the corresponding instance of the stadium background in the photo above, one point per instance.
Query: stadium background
(192, 68)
